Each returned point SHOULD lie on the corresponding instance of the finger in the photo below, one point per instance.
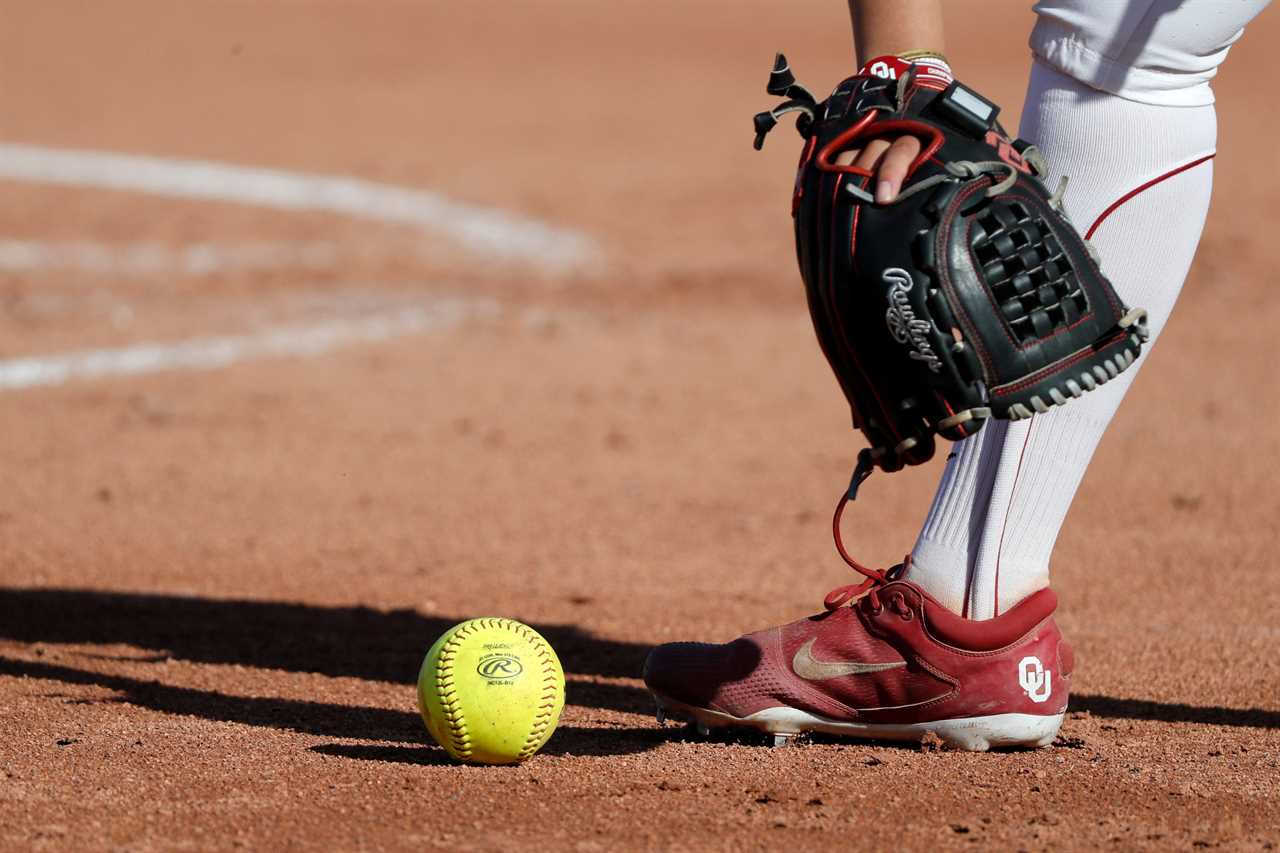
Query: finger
(893, 166)
(870, 155)
(862, 155)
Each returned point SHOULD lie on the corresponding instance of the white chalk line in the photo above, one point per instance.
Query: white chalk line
(494, 232)
(210, 353)
(143, 259)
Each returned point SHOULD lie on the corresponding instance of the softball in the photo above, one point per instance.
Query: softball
(491, 691)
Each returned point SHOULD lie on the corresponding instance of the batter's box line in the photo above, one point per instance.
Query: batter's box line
(214, 352)
(488, 231)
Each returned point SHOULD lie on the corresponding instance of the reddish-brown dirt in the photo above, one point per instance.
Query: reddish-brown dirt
(216, 587)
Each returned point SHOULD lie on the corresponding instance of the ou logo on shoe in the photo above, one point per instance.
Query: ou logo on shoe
(1034, 679)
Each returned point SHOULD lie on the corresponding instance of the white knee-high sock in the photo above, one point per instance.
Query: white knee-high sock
(1140, 182)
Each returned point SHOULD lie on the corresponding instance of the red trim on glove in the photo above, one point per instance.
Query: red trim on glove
(869, 128)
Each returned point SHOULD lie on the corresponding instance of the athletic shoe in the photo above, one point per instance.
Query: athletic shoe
(884, 661)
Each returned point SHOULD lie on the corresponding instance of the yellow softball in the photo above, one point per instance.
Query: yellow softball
(491, 691)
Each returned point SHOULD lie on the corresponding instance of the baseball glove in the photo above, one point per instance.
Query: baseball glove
(970, 296)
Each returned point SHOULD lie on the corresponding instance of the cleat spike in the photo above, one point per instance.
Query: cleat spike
(1101, 374)
(1110, 365)
(1039, 405)
(703, 728)
(1056, 396)
(1074, 387)
(1089, 382)
(661, 714)
(782, 738)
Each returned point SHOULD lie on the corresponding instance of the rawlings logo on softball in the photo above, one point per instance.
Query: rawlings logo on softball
(904, 325)
(499, 667)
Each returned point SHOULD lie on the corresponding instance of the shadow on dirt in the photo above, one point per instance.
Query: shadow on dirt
(353, 642)
(1174, 712)
(360, 642)
(320, 718)
(420, 756)
(567, 740)
(317, 718)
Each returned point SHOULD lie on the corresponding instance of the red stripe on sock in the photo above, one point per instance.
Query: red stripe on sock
(1148, 185)
(995, 604)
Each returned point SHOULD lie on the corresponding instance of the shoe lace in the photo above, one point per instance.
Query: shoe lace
(874, 578)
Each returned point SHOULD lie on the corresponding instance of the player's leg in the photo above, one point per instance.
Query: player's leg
(1119, 99)
(895, 663)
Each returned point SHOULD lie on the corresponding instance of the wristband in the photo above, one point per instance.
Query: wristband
(931, 69)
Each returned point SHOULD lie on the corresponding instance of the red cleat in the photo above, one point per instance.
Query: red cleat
(893, 664)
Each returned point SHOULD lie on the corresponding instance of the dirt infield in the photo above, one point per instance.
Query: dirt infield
(578, 388)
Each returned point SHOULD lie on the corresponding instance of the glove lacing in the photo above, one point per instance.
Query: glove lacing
(875, 578)
(960, 170)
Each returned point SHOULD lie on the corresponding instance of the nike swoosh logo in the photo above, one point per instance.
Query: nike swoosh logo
(810, 668)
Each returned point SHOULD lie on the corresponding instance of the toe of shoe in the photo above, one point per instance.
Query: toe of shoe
(672, 668)
(695, 672)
